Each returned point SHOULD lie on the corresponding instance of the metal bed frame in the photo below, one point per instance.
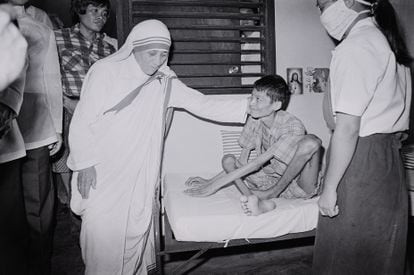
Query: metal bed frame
(165, 243)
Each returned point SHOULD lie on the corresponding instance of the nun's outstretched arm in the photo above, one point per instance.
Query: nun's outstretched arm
(217, 108)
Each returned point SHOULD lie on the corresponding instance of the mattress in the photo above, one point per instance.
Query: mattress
(219, 217)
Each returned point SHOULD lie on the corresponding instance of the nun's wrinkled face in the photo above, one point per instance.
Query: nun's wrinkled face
(150, 60)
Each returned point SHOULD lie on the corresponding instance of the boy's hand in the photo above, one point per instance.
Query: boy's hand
(200, 190)
(196, 181)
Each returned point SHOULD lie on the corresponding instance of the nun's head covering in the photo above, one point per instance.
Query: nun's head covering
(150, 34)
(147, 35)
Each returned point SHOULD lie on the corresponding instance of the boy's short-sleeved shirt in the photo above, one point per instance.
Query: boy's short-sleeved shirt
(285, 132)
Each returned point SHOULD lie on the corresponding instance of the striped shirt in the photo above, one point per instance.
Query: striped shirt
(77, 54)
(286, 131)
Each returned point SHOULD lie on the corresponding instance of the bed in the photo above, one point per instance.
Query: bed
(183, 223)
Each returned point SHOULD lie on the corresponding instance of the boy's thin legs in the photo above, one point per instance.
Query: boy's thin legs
(251, 204)
(229, 164)
(308, 179)
(305, 162)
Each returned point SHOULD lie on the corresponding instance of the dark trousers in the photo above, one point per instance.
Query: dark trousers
(14, 234)
(39, 203)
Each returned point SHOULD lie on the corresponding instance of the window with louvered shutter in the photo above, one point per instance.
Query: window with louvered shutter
(219, 47)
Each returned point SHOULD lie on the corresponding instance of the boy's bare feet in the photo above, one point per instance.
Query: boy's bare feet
(253, 206)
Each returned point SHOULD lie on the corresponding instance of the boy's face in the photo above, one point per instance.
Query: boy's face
(94, 18)
(261, 105)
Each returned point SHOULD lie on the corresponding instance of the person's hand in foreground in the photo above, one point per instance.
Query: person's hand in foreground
(13, 47)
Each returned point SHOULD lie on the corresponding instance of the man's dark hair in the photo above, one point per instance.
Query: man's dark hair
(275, 87)
(79, 6)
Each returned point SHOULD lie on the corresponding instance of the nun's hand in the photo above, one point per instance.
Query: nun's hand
(86, 180)
(327, 203)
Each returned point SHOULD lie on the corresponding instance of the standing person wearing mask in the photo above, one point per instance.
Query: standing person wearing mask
(14, 234)
(40, 121)
(364, 204)
(116, 139)
(79, 47)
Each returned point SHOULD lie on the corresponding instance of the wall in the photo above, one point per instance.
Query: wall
(302, 42)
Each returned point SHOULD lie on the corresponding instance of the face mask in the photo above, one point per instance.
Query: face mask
(338, 17)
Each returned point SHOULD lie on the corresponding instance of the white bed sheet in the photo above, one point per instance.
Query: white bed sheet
(219, 218)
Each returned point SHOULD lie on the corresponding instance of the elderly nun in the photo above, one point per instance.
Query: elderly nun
(116, 139)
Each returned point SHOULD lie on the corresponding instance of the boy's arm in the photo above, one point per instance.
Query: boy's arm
(195, 181)
(226, 179)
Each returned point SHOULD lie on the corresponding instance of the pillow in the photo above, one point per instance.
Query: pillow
(230, 142)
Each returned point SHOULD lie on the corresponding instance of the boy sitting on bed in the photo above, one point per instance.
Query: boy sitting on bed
(288, 160)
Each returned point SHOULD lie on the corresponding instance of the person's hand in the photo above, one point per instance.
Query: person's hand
(200, 188)
(6, 118)
(248, 110)
(327, 203)
(55, 147)
(196, 181)
(13, 47)
(86, 180)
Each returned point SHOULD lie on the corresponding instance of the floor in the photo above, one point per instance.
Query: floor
(278, 258)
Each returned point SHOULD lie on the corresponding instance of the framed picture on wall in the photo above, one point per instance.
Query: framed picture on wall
(295, 80)
(317, 80)
(320, 80)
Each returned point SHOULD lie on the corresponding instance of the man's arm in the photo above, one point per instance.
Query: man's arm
(53, 89)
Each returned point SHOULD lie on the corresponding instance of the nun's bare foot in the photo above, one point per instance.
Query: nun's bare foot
(253, 206)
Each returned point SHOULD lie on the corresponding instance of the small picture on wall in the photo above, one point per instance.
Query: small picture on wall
(294, 80)
(317, 80)
(320, 80)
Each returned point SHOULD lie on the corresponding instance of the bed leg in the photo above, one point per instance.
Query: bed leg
(159, 263)
(179, 269)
